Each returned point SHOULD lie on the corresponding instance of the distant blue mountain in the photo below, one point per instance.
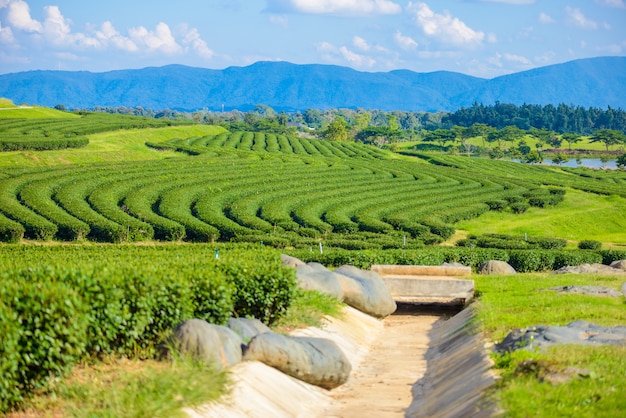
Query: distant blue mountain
(597, 82)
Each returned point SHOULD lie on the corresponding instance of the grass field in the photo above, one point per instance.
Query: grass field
(123, 145)
(9, 110)
(581, 216)
(594, 387)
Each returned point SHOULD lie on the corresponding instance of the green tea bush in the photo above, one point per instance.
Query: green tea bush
(519, 207)
(53, 321)
(264, 287)
(608, 256)
(524, 261)
(575, 258)
(589, 244)
(497, 205)
(9, 358)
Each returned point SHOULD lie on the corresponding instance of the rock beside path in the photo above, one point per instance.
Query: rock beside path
(316, 361)
(496, 267)
(577, 332)
(595, 268)
(588, 290)
(364, 290)
(211, 343)
(619, 264)
(247, 328)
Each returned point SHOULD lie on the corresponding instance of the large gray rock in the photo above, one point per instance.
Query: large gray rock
(291, 261)
(317, 361)
(577, 332)
(595, 268)
(206, 342)
(314, 276)
(366, 291)
(247, 328)
(588, 290)
(496, 267)
(619, 264)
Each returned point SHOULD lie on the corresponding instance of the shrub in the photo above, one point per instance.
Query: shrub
(589, 244)
(575, 258)
(519, 207)
(9, 358)
(264, 287)
(496, 205)
(524, 261)
(53, 323)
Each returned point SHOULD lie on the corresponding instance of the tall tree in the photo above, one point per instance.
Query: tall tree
(571, 139)
(337, 130)
(609, 137)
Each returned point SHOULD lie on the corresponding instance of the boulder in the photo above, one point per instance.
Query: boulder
(316, 361)
(206, 342)
(314, 276)
(588, 290)
(496, 267)
(577, 332)
(624, 289)
(366, 291)
(595, 268)
(619, 264)
(290, 261)
(247, 328)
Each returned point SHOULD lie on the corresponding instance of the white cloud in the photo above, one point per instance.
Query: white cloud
(192, 38)
(444, 26)
(518, 59)
(336, 7)
(510, 1)
(109, 35)
(545, 18)
(279, 20)
(405, 42)
(58, 31)
(580, 19)
(19, 17)
(619, 4)
(355, 59)
(161, 39)
(6, 35)
(361, 43)
(341, 55)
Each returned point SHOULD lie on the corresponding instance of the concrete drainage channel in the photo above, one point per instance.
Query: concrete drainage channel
(425, 360)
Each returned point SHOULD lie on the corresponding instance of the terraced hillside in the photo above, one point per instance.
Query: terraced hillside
(282, 191)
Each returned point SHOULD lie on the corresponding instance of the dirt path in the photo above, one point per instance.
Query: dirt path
(381, 385)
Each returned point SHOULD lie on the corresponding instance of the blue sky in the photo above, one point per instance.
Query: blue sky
(484, 38)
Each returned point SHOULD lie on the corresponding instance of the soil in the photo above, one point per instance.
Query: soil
(381, 385)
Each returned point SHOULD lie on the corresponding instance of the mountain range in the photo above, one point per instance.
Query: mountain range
(594, 82)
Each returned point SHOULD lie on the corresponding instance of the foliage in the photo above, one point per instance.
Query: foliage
(61, 133)
(52, 333)
(589, 244)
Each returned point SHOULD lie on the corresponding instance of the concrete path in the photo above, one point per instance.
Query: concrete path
(381, 385)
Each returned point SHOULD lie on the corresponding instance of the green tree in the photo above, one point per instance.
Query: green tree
(608, 137)
(533, 156)
(337, 130)
(571, 139)
(621, 162)
(559, 158)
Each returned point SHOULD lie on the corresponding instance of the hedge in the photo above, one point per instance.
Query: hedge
(51, 318)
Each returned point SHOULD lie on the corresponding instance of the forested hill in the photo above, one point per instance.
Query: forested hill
(594, 82)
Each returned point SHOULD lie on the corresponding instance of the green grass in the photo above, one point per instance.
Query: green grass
(581, 216)
(121, 145)
(308, 308)
(35, 112)
(6, 103)
(596, 374)
(517, 301)
(126, 388)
